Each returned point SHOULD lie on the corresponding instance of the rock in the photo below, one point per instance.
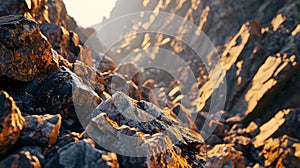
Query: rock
(12, 123)
(213, 140)
(116, 82)
(14, 7)
(130, 72)
(64, 139)
(225, 155)
(50, 11)
(240, 142)
(25, 53)
(41, 130)
(285, 122)
(281, 152)
(138, 128)
(90, 76)
(27, 157)
(105, 64)
(66, 43)
(64, 93)
(82, 154)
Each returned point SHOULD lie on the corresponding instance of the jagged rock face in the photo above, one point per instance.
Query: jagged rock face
(66, 43)
(61, 90)
(25, 52)
(48, 11)
(41, 130)
(120, 117)
(258, 43)
(12, 123)
(225, 155)
(82, 154)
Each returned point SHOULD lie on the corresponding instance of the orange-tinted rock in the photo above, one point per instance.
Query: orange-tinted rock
(285, 122)
(281, 152)
(41, 130)
(11, 123)
(24, 51)
(27, 157)
(105, 64)
(224, 155)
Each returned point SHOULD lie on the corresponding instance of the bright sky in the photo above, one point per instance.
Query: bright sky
(89, 12)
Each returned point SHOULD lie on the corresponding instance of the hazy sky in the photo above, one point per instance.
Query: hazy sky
(89, 12)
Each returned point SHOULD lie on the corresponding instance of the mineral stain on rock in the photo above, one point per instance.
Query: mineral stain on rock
(25, 52)
(12, 123)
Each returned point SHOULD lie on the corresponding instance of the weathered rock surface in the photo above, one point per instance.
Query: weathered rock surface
(128, 126)
(225, 155)
(82, 154)
(12, 123)
(66, 43)
(63, 92)
(27, 157)
(41, 130)
(25, 52)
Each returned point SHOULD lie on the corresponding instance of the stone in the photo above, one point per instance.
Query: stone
(130, 72)
(64, 93)
(285, 122)
(82, 154)
(116, 82)
(223, 155)
(41, 130)
(66, 43)
(30, 157)
(12, 123)
(14, 7)
(140, 128)
(105, 64)
(25, 52)
(281, 152)
(63, 139)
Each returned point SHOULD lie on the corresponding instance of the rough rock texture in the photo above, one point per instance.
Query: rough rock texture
(120, 117)
(66, 43)
(63, 92)
(225, 155)
(30, 157)
(12, 123)
(25, 52)
(49, 11)
(41, 130)
(82, 154)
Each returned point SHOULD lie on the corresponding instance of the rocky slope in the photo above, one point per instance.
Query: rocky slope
(258, 44)
(58, 109)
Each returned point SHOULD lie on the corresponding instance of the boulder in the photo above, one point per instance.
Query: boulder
(11, 123)
(25, 52)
